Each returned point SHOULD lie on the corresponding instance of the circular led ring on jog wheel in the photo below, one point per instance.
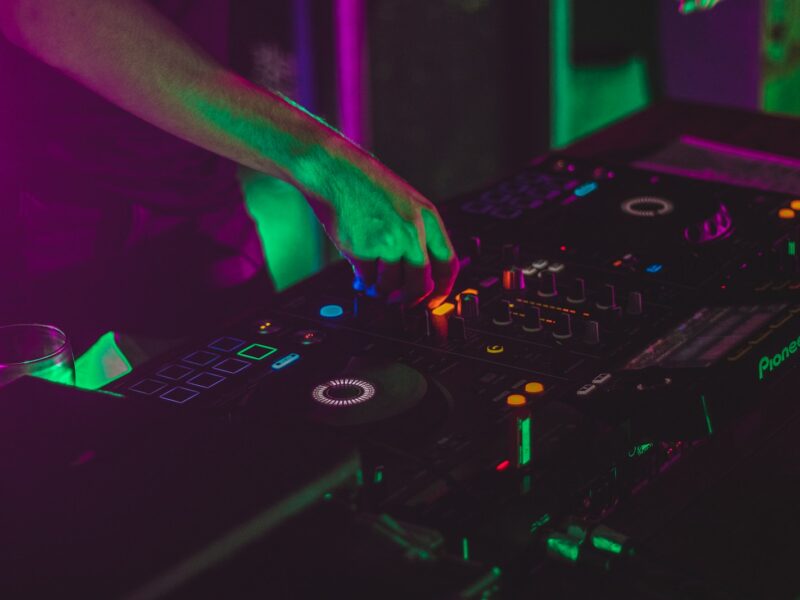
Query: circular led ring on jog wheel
(647, 206)
(345, 391)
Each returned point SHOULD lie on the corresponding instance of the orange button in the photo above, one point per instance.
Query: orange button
(534, 387)
(786, 213)
(516, 400)
(444, 309)
(795, 204)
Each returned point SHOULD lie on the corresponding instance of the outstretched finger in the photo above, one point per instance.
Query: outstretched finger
(417, 282)
(365, 273)
(444, 262)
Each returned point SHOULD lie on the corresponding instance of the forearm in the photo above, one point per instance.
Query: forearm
(129, 53)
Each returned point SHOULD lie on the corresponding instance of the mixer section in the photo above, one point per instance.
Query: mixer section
(606, 323)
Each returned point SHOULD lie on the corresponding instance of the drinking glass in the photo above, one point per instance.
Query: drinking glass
(36, 350)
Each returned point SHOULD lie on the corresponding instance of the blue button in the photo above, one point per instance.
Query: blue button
(654, 268)
(285, 361)
(331, 311)
(585, 189)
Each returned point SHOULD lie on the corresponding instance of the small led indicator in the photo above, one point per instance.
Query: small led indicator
(792, 248)
(495, 349)
(617, 263)
(502, 466)
(795, 204)
(786, 213)
(654, 268)
(331, 311)
(285, 361)
(534, 387)
(585, 189)
(524, 426)
(516, 400)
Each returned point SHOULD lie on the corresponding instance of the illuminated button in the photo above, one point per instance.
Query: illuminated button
(148, 387)
(226, 344)
(654, 268)
(268, 326)
(174, 372)
(285, 361)
(331, 311)
(587, 389)
(205, 380)
(444, 309)
(795, 204)
(555, 267)
(495, 349)
(516, 400)
(307, 337)
(201, 358)
(231, 366)
(585, 189)
(786, 213)
(179, 395)
(602, 379)
(257, 351)
(534, 387)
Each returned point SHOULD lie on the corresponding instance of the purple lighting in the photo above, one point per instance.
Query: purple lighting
(350, 59)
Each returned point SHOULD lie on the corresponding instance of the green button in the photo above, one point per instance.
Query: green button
(257, 351)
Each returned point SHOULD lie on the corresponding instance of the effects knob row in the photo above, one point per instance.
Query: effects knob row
(514, 280)
(532, 323)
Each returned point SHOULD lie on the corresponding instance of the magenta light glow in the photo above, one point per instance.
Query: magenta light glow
(351, 62)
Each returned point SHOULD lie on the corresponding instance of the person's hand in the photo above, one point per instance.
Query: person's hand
(392, 236)
(689, 6)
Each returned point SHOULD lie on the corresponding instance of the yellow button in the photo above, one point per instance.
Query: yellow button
(444, 309)
(795, 204)
(495, 349)
(786, 213)
(516, 400)
(534, 387)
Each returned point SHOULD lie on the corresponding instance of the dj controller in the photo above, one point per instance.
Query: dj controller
(611, 333)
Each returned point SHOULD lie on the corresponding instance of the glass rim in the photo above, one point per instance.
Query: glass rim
(57, 351)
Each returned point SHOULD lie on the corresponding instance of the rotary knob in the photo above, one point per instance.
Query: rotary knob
(458, 329)
(608, 297)
(513, 279)
(563, 326)
(591, 334)
(578, 293)
(547, 285)
(468, 306)
(502, 314)
(635, 303)
(533, 320)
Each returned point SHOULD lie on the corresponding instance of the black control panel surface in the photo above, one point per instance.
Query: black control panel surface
(607, 324)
